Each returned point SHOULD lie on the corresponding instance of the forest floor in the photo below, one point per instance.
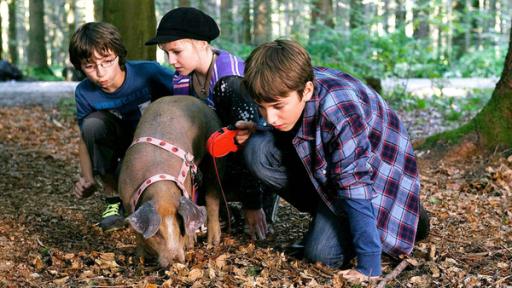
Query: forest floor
(48, 238)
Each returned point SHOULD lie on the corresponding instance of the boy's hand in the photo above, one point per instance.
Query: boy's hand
(257, 223)
(84, 188)
(354, 276)
(245, 129)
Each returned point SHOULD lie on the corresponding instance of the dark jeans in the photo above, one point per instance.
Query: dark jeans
(328, 239)
(106, 139)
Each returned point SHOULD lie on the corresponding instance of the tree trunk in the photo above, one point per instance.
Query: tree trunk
(246, 16)
(421, 17)
(356, 14)
(476, 24)
(400, 14)
(184, 3)
(136, 21)
(494, 123)
(261, 21)
(37, 56)
(386, 15)
(321, 14)
(491, 128)
(460, 38)
(13, 35)
(227, 21)
(98, 10)
(1, 39)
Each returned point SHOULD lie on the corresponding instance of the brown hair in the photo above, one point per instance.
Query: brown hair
(95, 36)
(276, 68)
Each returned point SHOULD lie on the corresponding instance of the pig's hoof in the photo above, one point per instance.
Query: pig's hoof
(190, 241)
(214, 241)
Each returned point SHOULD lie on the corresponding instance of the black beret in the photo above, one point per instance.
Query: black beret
(185, 22)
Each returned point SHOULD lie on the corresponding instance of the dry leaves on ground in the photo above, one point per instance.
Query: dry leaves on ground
(49, 239)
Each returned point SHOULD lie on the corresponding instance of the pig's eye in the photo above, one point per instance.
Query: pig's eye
(181, 224)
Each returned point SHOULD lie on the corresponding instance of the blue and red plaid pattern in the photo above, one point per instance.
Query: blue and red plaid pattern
(355, 147)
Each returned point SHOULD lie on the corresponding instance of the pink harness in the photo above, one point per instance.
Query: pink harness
(186, 166)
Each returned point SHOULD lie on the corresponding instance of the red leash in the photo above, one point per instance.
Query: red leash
(219, 144)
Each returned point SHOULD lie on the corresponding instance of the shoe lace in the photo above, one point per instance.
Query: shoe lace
(111, 210)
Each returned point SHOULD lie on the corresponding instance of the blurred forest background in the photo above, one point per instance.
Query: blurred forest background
(370, 38)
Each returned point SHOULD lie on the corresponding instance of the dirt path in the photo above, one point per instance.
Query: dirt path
(49, 239)
(48, 93)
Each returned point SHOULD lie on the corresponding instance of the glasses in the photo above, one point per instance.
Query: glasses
(91, 67)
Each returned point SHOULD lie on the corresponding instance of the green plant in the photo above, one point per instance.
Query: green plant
(40, 74)
(487, 62)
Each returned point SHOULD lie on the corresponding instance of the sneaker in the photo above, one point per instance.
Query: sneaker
(296, 249)
(112, 218)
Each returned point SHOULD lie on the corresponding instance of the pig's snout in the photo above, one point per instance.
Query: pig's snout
(166, 259)
(174, 248)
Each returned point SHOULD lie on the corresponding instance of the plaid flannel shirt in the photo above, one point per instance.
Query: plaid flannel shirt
(354, 147)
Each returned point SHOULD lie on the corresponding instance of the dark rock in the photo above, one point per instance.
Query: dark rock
(9, 72)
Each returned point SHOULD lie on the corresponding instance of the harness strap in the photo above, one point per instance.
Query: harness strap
(188, 159)
(154, 179)
(186, 166)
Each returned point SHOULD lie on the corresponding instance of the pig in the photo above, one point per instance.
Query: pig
(164, 219)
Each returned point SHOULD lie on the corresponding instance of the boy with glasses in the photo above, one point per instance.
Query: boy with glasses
(109, 105)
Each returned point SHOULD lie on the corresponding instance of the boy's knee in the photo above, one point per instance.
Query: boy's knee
(319, 253)
(255, 151)
(94, 126)
(263, 159)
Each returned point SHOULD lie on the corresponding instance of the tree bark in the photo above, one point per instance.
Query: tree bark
(356, 14)
(261, 21)
(13, 35)
(184, 3)
(490, 129)
(37, 55)
(321, 14)
(246, 16)
(494, 123)
(420, 18)
(1, 39)
(400, 14)
(98, 10)
(136, 22)
(227, 28)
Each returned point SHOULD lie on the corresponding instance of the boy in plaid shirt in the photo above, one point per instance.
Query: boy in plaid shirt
(338, 151)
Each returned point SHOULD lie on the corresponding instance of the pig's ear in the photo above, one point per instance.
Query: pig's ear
(145, 220)
(193, 216)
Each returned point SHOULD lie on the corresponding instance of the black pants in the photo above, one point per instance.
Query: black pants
(106, 139)
(232, 103)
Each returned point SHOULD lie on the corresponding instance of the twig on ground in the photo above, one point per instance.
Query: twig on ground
(450, 239)
(502, 280)
(398, 269)
(487, 253)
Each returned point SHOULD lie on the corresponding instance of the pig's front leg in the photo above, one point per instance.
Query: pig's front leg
(212, 209)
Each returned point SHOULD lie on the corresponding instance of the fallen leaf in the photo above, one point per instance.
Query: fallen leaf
(194, 274)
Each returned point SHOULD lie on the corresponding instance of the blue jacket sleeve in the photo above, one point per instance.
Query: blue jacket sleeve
(365, 236)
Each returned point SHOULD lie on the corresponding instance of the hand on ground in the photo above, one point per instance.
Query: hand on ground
(84, 188)
(257, 223)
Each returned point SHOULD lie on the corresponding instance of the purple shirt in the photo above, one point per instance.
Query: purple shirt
(354, 147)
(225, 65)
